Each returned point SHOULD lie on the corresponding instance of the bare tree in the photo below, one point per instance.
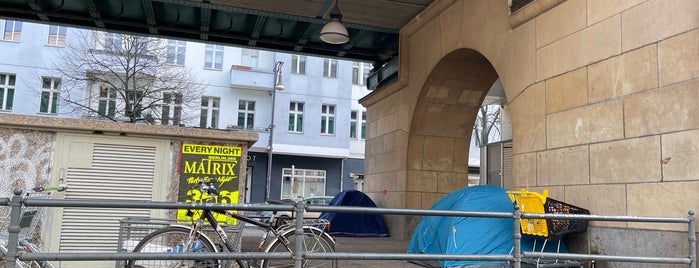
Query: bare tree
(487, 126)
(128, 78)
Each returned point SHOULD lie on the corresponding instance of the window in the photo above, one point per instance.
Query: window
(13, 30)
(175, 52)
(246, 114)
(7, 91)
(113, 42)
(213, 59)
(209, 112)
(172, 109)
(354, 132)
(137, 45)
(327, 119)
(298, 64)
(330, 68)
(353, 125)
(360, 68)
(107, 101)
(57, 36)
(302, 182)
(50, 87)
(250, 58)
(134, 99)
(296, 117)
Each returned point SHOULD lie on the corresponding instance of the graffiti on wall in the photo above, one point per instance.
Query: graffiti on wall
(25, 159)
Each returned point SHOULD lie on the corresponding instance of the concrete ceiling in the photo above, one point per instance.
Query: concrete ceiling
(290, 25)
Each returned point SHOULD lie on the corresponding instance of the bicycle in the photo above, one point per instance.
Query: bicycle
(30, 217)
(192, 239)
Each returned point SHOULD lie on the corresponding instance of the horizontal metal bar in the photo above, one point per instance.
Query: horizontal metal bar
(338, 209)
(152, 256)
(405, 256)
(604, 218)
(569, 256)
(4, 201)
(153, 205)
(405, 211)
(338, 256)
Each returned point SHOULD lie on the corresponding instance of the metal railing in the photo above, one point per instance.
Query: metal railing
(515, 258)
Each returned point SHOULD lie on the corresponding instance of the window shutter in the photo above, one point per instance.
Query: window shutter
(507, 166)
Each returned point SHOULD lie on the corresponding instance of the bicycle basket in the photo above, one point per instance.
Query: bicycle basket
(31, 216)
(27, 218)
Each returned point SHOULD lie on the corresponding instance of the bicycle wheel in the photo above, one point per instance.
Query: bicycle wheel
(35, 264)
(172, 239)
(24, 264)
(314, 240)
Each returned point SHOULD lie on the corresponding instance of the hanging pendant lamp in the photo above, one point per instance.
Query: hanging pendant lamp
(334, 32)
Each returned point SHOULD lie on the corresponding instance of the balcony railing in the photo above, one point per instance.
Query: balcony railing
(252, 129)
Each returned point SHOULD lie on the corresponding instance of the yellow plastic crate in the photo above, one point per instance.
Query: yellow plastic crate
(531, 202)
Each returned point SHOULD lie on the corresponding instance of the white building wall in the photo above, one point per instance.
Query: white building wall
(31, 58)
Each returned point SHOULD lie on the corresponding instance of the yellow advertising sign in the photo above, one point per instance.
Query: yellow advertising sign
(211, 150)
(216, 163)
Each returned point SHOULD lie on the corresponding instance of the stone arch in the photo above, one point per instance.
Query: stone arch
(442, 124)
(449, 60)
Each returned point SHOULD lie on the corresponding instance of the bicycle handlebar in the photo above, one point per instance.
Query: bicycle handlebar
(59, 188)
(208, 187)
(276, 202)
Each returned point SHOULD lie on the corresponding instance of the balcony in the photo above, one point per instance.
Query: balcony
(251, 78)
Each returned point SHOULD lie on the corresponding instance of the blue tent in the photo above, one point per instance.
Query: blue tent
(470, 235)
(341, 224)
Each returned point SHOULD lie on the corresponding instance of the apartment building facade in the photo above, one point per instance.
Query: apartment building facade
(319, 126)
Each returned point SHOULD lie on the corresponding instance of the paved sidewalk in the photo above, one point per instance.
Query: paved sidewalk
(350, 245)
(372, 245)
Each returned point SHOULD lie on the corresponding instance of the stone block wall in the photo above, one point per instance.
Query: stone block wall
(620, 111)
(604, 102)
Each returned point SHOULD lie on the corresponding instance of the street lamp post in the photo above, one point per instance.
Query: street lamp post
(276, 86)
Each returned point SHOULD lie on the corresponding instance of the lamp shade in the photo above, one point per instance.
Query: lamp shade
(279, 86)
(334, 32)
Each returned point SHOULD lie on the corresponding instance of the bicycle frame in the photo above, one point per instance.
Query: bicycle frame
(208, 215)
(3, 253)
(31, 247)
(221, 233)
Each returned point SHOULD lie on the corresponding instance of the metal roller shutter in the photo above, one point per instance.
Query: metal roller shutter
(116, 171)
